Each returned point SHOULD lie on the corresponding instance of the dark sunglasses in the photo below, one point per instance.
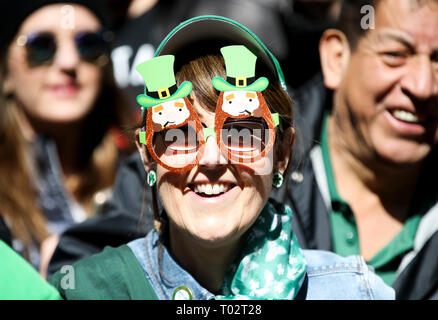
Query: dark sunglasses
(41, 46)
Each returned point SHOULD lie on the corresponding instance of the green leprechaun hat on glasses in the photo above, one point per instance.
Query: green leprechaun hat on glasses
(160, 87)
(240, 65)
(160, 83)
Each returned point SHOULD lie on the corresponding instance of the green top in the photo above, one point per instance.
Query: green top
(344, 229)
(19, 280)
(113, 274)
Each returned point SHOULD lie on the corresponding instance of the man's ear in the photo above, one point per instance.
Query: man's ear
(146, 159)
(283, 150)
(334, 51)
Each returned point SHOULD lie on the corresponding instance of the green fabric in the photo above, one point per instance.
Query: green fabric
(158, 74)
(344, 228)
(115, 273)
(271, 264)
(400, 244)
(19, 280)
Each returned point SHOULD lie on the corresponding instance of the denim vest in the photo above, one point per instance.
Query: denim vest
(329, 276)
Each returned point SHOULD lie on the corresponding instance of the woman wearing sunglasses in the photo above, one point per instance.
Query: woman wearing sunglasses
(216, 137)
(60, 117)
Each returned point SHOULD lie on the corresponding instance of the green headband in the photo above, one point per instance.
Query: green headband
(222, 30)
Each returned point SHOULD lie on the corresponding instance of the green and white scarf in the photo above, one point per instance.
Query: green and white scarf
(271, 264)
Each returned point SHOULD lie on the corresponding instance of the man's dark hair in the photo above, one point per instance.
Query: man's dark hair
(350, 19)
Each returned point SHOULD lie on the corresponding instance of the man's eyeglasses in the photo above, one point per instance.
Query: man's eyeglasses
(41, 46)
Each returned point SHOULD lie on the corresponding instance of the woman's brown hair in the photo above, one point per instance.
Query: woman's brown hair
(18, 195)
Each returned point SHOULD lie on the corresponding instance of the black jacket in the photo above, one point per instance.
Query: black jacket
(124, 219)
(5, 234)
(124, 222)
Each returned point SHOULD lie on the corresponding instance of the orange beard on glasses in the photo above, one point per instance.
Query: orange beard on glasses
(221, 116)
(152, 127)
(157, 127)
(261, 112)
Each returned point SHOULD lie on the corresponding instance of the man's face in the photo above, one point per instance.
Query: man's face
(388, 96)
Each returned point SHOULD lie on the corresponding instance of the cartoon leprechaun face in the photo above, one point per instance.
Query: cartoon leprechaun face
(169, 113)
(238, 103)
(240, 93)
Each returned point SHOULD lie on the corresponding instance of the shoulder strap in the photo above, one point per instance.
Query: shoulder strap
(146, 291)
(114, 273)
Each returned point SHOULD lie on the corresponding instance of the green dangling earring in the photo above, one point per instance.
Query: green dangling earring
(151, 177)
(277, 179)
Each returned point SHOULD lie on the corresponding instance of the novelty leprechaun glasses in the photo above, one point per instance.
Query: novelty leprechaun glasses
(244, 127)
(180, 147)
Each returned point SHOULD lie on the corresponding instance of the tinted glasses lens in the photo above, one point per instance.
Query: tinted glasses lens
(41, 48)
(91, 46)
(245, 138)
(176, 147)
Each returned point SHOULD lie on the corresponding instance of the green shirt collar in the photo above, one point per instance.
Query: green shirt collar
(343, 222)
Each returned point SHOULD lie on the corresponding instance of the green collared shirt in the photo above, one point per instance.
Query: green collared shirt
(344, 229)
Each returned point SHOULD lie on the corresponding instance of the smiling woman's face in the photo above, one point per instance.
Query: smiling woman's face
(216, 201)
(65, 89)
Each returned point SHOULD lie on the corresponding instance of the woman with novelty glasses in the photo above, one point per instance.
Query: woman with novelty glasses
(215, 138)
(60, 119)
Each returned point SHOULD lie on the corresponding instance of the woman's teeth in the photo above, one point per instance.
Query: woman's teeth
(406, 116)
(211, 189)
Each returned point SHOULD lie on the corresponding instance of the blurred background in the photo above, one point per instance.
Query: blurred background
(58, 168)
